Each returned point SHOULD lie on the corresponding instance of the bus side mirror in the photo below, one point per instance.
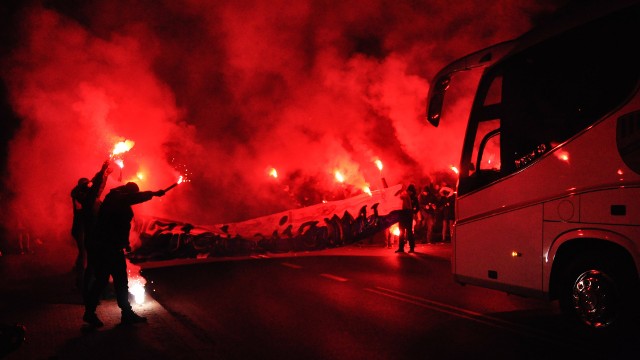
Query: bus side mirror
(436, 99)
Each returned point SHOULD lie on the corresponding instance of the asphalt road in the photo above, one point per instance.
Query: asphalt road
(386, 306)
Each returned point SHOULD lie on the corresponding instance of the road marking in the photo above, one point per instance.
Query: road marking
(333, 277)
(293, 266)
(466, 314)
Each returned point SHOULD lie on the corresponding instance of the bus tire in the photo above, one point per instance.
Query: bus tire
(592, 293)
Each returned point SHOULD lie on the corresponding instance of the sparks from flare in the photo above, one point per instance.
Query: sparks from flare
(180, 179)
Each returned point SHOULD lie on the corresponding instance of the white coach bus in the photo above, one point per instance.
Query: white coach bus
(548, 201)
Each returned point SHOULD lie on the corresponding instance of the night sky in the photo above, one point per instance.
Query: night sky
(225, 91)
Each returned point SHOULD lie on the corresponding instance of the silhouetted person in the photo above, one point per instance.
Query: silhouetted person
(448, 211)
(409, 209)
(85, 198)
(112, 238)
(428, 204)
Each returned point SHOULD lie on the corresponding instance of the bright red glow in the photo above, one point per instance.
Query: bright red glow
(273, 173)
(562, 155)
(339, 176)
(335, 88)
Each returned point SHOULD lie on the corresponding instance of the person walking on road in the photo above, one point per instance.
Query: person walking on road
(112, 238)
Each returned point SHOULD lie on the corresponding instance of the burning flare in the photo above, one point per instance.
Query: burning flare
(379, 164)
(339, 176)
(180, 179)
(122, 147)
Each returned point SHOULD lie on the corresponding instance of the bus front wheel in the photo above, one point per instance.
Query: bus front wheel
(592, 293)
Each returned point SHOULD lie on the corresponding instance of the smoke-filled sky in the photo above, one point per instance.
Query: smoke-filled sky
(224, 91)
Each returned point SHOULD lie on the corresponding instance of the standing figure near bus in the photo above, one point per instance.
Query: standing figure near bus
(448, 211)
(428, 201)
(410, 206)
(447, 196)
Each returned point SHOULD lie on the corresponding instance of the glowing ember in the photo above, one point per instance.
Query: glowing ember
(379, 164)
(339, 176)
(140, 176)
(455, 169)
(273, 173)
(122, 147)
(367, 190)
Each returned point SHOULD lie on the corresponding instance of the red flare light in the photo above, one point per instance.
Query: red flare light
(339, 176)
(180, 180)
(122, 147)
(379, 164)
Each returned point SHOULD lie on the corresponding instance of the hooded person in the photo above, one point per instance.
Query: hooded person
(112, 238)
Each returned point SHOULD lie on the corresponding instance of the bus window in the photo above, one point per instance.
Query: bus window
(486, 148)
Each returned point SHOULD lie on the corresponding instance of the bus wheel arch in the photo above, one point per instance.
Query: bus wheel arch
(595, 283)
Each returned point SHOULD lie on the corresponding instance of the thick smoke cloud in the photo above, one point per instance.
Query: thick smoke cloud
(227, 90)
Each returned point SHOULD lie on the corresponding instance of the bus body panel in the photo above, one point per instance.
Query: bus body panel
(514, 255)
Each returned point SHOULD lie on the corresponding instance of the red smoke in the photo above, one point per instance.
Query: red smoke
(229, 90)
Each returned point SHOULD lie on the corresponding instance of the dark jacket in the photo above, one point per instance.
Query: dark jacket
(115, 215)
(85, 202)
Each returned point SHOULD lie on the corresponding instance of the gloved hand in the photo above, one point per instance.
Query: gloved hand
(159, 193)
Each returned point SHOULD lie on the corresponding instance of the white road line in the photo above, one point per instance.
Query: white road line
(333, 277)
(464, 313)
(293, 266)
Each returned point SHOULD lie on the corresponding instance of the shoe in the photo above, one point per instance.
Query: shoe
(411, 251)
(92, 319)
(132, 318)
(399, 251)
